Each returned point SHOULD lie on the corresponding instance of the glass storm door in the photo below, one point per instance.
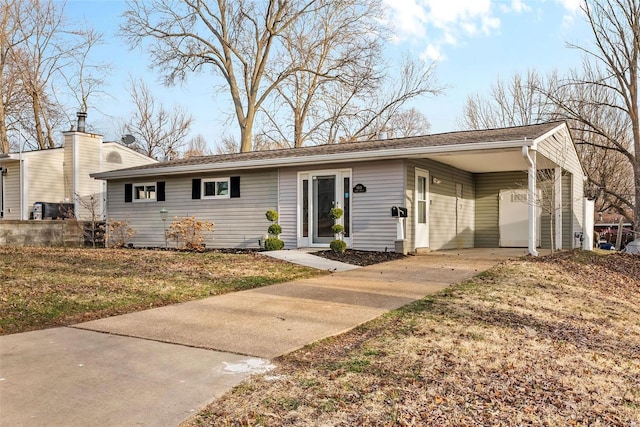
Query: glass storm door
(324, 199)
(422, 209)
(318, 193)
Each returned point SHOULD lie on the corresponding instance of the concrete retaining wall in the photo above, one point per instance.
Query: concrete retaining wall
(41, 233)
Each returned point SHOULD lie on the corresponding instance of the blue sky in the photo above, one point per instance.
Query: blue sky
(473, 41)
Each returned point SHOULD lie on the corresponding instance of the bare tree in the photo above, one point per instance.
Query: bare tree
(611, 71)
(39, 52)
(338, 46)
(531, 99)
(521, 100)
(88, 77)
(228, 145)
(235, 38)
(406, 123)
(159, 133)
(197, 146)
(356, 114)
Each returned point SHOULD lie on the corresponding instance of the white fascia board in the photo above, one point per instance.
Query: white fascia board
(392, 153)
(547, 134)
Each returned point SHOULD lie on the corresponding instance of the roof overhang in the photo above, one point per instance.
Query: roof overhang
(476, 157)
(444, 153)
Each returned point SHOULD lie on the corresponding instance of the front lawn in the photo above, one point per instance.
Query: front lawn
(551, 341)
(44, 287)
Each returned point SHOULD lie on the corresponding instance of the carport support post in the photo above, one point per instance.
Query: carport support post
(530, 157)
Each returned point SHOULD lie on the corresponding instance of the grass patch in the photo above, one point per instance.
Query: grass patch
(550, 341)
(44, 287)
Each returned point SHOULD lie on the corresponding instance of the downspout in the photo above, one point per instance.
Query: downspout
(531, 162)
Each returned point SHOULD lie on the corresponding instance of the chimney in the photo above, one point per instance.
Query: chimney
(82, 119)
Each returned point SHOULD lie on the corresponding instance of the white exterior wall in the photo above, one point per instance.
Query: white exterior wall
(239, 222)
(44, 178)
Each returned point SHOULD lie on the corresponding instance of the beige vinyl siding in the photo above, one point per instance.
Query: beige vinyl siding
(89, 159)
(288, 206)
(373, 227)
(488, 186)
(45, 184)
(239, 222)
(448, 228)
(12, 190)
(560, 150)
(567, 214)
(547, 206)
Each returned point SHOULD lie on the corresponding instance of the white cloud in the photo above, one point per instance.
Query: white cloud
(517, 6)
(438, 23)
(571, 5)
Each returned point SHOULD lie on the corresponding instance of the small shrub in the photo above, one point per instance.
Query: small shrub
(118, 233)
(336, 213)
(272, 215)
(337, 228)
(338, 246)
(275, 229)
(188, 232)
(273, 244)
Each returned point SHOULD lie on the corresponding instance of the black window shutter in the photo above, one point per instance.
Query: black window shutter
(160, 191)
(235, 186)
(195, 188)
(128, 193)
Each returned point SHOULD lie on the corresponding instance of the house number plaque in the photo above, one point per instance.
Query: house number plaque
(359, 188)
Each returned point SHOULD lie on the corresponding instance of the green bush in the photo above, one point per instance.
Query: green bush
(272, 215)
(275, 229)
(336, 213)
(273, 244)
(337, 228)
(338, 246)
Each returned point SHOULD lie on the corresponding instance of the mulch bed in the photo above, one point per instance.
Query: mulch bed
(361, 258)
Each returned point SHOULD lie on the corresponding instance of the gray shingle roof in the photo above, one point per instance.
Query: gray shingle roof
(518, 133)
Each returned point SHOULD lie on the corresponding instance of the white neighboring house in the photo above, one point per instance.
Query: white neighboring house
(61, 175)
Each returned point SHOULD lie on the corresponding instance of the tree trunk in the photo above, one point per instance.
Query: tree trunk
(246, 133)
(4, 140)
(38, 122)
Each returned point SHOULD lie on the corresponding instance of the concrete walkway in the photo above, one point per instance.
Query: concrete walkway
(157, 367)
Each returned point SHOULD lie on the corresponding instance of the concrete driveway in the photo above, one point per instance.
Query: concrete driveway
(157, 367)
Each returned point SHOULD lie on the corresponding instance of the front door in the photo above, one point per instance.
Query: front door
(422, 209)
(318, 193)
(324, 199)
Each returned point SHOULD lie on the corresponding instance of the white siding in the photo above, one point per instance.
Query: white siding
(112, 152)
(448, 229)
(239, 222)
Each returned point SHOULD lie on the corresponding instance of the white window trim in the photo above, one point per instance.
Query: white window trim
(145, 184)
(221, 179)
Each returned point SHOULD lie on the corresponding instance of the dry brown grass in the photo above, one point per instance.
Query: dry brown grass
(548, 342)
(43, 287)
